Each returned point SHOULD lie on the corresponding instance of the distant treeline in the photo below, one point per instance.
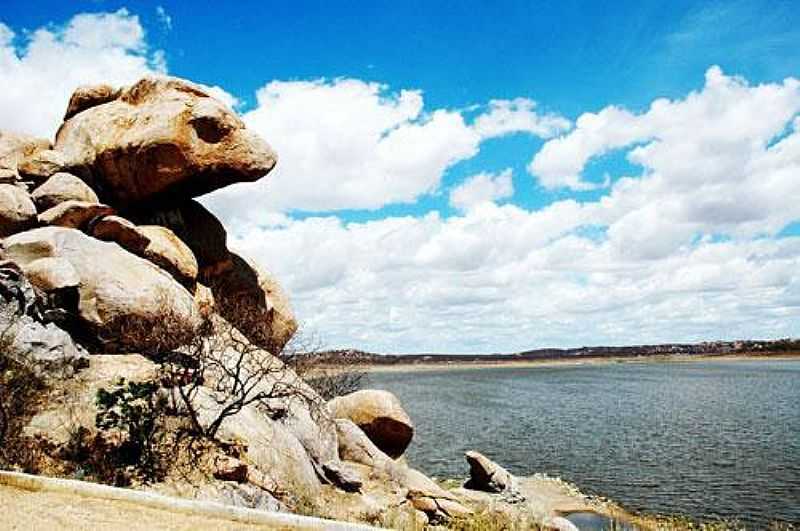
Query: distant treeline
(707, 348)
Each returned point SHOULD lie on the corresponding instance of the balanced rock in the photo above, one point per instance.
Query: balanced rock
(125, 301)
(161, 138)
(62, 187)
(169, 253)
(17, 211)
(486, 475)
(254, 302)
(380, 415)
(121, 231)
(74, 214)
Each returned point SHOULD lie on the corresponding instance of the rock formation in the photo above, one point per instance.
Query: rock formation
(105, 251)
(158, 140)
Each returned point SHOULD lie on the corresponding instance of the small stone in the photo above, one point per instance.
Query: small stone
(230, 469)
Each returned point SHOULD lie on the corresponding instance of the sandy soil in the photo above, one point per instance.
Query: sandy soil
(26, 510)
(439, 366)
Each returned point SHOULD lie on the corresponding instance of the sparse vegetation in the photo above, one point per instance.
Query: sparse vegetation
(136, 409)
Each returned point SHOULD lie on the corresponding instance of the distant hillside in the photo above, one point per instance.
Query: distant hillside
(706, 348)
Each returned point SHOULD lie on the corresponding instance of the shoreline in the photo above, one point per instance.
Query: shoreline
(571, 362)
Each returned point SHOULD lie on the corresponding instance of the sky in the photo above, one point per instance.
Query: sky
(476, 177)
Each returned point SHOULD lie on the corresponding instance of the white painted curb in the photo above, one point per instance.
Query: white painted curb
(175, 505)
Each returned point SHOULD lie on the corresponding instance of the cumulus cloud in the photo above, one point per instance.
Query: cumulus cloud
(722, 161)
(351, 144)
(519, 115)
(39, 71)
(684, 251)
(505, 278)
(482, 187)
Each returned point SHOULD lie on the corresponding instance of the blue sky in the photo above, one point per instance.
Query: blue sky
(589, 216)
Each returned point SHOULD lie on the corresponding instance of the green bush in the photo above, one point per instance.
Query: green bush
(137, 409)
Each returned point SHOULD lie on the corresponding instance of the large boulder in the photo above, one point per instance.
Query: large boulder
(161, 138)
(125, 301)
(62, 187)
(17, 211)
(380, 415)
(169, 253)
(254, 302)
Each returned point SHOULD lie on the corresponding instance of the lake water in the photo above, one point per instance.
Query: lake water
(708, 439)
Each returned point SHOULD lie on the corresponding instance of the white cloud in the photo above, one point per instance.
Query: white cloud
(728, 122)
(503, 278)
(38, 76)
(723, 160)
(350, 144)
(518, 115)
(677, 253)
(164, 18)
(482, 187)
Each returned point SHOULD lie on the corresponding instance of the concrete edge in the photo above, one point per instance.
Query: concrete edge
(176, 505)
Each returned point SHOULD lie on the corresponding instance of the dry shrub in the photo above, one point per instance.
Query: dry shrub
(330, 374)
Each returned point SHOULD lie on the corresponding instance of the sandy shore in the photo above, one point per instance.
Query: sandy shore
(681, 358)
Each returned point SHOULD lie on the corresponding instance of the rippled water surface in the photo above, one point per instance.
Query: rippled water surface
(710, 439)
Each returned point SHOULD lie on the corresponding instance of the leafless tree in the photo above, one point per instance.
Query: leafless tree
(220, 372)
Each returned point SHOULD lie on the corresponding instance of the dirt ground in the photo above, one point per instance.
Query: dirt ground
(46, 511)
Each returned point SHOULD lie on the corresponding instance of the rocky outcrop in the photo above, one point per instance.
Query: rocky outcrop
(421, 492)
(125, 301)
(161, 138)
(251, 299)
(17, 211)
(62, 187)
(26, 330)
(380, 415)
